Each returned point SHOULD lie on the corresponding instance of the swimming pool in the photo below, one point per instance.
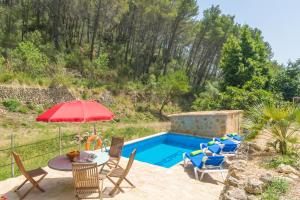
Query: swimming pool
(164, 150)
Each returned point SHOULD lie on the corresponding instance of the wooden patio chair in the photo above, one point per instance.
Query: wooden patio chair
(115, 152)
(29, 175)
(87, 181)
(120, 173)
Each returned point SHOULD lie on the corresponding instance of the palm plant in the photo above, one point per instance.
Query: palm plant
(280, 121)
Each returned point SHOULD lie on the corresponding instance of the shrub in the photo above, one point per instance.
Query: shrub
(28, 58)
(12, 105)
(277, 188)
(209, 99)
(279, 121)
(240, 98)
(31, 105)
(170, 86)
(23, 109)
(6, 77)
(2, 61)
(274, 162)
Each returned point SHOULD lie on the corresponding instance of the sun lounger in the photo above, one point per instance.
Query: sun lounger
(215, 148)
(205, 164)
(224, 147)
(235, 137)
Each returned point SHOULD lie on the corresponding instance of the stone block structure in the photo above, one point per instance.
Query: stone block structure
(38, 95)
(207, 123)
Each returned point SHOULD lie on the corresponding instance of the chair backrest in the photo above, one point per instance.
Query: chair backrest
(116, 147)
(22, 168)
(130, 162)
(85, 175)
(230, 147)
(215, 148)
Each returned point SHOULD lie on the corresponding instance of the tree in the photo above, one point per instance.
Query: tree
(244, 57)
(204, 57)
(27, 58)
(209, 99)
(170, 86)
(287, 81)
(185, 10)
(281, 122)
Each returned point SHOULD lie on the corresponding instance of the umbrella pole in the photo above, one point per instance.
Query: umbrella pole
(79, 138)
(95, 131)
(59, 132)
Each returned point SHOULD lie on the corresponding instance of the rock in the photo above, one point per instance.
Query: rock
(236, 174)
(231, 181)
(239, 165)
(287, 169)
(287, 179)
(254, 186)
(266, 178)
(254, 146)
(253, 197)
(106, 98)
(293, 176)
(2, 111)
(267, 149)
(234, 194)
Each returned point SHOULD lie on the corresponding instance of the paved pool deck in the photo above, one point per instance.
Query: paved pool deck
(152, 182)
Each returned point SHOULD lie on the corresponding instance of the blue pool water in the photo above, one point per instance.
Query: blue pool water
(164, 150)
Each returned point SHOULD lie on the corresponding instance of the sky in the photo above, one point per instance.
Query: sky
(279, 21)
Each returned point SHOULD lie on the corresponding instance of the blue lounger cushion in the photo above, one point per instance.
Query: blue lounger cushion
(230, 148)
(235, 137)
(224, 141)
(212, 160)
(215, 148)
(196, 160)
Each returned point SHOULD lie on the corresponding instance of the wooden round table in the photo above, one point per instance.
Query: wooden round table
(63, 163)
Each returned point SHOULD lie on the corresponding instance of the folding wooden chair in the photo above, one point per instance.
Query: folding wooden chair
(121, 174)
(115, 152)
(29, 175)
(87, 181)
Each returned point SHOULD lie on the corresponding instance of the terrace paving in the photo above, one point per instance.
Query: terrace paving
(152, 182)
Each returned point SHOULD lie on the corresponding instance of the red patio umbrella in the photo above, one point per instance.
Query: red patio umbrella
(76, 111)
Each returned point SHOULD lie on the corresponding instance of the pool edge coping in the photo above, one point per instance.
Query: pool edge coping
(146, 137)
(162, 133)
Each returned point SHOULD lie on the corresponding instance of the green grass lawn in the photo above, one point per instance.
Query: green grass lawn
(38, 142)
(39, 153)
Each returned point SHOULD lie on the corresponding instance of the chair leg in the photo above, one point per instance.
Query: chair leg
(223, 176)
(102, 167)
(38, 186)
(129, 182)
(101, 190)
(117, 186)
(184, 160)
(33, 186)
(202, 174)
(26, 193)
(196, 173)
(19, 187)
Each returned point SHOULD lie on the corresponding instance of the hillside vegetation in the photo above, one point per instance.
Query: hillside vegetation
(160, 50)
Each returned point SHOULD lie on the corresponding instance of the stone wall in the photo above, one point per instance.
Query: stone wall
(37, 95)
(248, 180)
(207, 123)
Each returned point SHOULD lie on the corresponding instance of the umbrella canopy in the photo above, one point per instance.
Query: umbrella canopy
(76, 111)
